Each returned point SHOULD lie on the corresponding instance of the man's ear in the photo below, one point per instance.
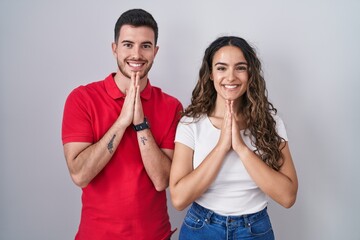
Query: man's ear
(156, 50)
(113, 48)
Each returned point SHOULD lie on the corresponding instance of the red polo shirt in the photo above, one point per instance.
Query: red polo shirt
(121, 201)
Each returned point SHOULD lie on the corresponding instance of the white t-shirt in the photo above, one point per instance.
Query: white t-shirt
(233, 192)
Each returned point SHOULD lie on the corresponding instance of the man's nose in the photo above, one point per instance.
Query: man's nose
(136, 52)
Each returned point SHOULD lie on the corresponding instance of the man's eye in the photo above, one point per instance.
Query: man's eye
(127, 45)
(147, 46)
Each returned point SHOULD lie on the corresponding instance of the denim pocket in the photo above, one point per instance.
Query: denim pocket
(192, 221)
(260, 226)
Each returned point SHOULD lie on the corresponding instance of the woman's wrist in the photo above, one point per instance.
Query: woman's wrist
(242, 150)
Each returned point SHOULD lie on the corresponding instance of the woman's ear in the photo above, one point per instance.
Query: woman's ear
(211, 77)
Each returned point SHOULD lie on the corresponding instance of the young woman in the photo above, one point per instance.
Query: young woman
(231, 150)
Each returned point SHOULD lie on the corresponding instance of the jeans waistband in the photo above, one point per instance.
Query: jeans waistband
(210, 215)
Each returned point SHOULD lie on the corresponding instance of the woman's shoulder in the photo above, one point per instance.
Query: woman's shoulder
(280, 126)
(192, 120)
(278, 119)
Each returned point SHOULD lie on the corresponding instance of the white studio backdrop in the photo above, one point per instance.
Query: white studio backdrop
(310, 53)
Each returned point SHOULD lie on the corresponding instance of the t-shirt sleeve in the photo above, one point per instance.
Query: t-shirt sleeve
(168, 142)
(76, 124)
(280, 127)
(185, 132)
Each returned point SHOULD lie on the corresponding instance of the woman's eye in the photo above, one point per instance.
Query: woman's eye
(242, 68)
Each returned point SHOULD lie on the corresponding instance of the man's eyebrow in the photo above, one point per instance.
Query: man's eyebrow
(128, 41)
(147, 42)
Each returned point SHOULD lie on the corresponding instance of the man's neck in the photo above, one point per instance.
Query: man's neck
(123, 82)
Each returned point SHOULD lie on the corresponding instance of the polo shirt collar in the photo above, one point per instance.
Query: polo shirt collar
(113, 90)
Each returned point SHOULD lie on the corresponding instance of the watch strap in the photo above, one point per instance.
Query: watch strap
(144, 125)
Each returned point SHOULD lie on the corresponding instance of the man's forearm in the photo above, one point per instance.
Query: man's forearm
(157, 163)
(86, 162)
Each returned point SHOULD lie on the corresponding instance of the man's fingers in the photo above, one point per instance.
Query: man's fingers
(133, 77)
(137, 94)
(137, 78)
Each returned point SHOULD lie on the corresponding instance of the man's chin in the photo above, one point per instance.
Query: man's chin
(128, 72)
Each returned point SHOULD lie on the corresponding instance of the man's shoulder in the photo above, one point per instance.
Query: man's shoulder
(88, 88)
(93, 85)
(165, 96)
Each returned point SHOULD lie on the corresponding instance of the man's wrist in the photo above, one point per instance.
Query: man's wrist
(142, 126)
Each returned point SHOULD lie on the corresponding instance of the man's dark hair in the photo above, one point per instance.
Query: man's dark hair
(137, 18)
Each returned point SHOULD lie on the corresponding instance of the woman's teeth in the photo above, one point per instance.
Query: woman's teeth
(230, 86)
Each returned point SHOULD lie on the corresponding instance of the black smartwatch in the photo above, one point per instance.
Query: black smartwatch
(144, 125)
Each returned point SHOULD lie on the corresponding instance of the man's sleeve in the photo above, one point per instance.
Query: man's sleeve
(168, 142)
(76, 124)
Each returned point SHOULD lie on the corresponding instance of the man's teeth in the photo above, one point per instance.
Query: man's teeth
(135, 64)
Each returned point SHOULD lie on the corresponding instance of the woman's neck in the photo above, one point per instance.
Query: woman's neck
(220, 108)
(217, 115)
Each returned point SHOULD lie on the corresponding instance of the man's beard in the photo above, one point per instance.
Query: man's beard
(123, 71)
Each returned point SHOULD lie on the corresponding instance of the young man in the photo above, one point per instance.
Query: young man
(118, 137)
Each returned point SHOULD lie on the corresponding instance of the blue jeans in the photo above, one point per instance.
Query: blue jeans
(202, 223)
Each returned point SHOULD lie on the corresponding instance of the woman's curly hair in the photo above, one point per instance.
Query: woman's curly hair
(255, 107)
